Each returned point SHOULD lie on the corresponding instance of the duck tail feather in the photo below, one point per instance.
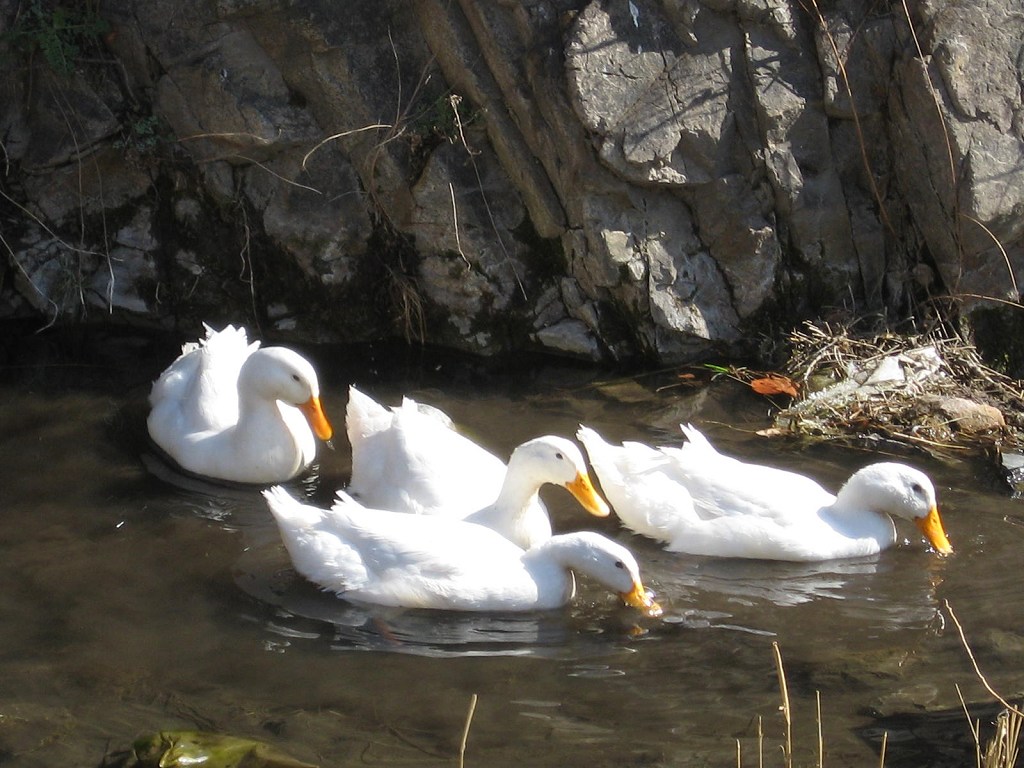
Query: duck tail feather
(696, 438)
(289, 510)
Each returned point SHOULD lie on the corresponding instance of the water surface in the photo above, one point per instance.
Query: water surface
(136, 600)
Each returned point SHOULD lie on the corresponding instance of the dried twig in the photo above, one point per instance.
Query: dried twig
(821, 740)
(999, 245)
(760, 742)
(787, 718)
(341, 135)
(454, 101)
(455, 225)
(974, 663)
(465, 730)
(1001, 750)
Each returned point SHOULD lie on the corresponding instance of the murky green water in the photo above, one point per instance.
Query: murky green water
(133, 601)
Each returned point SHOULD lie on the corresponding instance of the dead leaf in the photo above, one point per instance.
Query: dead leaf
(774, 384)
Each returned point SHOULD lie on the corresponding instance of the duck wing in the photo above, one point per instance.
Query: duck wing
(199, 390)
(424, 561)
(317, 543)
(634, 479)
(732, 488)
(722, 486)
(410, 459)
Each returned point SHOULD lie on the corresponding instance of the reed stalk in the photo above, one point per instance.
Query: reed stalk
(787, 718)
(465, 730)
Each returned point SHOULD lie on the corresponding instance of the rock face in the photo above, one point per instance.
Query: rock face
(620, 179)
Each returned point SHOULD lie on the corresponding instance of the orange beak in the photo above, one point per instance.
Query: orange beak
(586, 495)
(317, 420)
(639, 599)
(931, 527)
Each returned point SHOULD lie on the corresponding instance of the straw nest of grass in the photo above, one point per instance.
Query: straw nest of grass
(931, 391)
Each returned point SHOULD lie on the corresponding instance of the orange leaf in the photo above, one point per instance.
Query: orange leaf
(774, 385)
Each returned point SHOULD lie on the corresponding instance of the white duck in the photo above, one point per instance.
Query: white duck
(410, 459)
(229, 410)
(412, 561)
(700, 502)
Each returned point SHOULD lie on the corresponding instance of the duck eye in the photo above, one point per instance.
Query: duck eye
(916, 488)
(559, 456)
(295, 377)
(620, 565)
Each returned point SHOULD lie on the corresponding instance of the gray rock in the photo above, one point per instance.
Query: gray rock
(962, 415)
(571, 337)
(652, 178)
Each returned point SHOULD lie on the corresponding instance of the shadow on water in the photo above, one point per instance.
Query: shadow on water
(302, 613)
(937, 739)
(291, 610)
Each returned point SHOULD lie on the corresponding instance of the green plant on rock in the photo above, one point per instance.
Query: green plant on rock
(140, 136)
(58, 32)
(443, 119)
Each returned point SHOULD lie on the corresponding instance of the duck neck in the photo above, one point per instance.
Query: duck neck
(856, 513)
(508, 515)
(516, 493)
(261, 423)
(554, 560)
(567, 550)
(857, 497)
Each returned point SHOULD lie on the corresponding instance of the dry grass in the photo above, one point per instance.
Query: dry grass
(465, 730)
(1000, 751)
(406, 305)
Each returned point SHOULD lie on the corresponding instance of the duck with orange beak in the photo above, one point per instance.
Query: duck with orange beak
(228, 410)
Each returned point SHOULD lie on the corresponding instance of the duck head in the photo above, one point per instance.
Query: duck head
(901, 491)
(281, 374)
(558, 461)
(609, 563)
